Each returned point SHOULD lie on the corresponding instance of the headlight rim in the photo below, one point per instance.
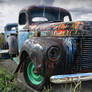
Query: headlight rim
(59, 53)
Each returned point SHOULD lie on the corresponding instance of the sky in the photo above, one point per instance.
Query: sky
(9, 9)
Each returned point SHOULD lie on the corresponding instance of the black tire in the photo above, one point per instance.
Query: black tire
(39, 86)
(5, 47)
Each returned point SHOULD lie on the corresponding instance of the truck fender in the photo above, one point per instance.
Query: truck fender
(28, 51)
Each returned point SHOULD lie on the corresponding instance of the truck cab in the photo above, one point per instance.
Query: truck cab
(36, 16)
(10, 29)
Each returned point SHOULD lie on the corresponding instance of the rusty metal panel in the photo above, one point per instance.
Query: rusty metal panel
(78, 28)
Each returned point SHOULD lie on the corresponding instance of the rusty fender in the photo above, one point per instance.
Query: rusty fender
(43, 48)
(70, 78)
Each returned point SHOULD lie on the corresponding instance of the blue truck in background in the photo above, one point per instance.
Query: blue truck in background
(9, 30)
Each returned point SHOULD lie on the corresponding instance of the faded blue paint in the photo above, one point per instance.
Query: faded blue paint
(22, 36)
(70, 48)
(8, 30)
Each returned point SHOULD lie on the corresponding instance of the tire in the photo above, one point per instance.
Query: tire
(5, 47)
(33, 80)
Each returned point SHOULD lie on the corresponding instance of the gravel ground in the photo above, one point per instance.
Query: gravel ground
(10, 66)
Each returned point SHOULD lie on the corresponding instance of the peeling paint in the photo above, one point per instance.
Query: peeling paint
(67, 36)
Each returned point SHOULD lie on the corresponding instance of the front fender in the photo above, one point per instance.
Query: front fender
(38, 46)
(28, 49)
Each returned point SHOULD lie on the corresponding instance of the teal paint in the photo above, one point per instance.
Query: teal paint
(16, 60)
(22, 36)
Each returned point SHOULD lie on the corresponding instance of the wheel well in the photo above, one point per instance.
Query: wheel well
(23, 56)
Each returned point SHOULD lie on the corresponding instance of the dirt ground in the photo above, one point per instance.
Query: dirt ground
(10, 66)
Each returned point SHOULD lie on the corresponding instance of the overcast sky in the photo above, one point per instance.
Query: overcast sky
(9, 9)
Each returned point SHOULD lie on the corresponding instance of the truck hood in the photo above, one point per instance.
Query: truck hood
(77, 28)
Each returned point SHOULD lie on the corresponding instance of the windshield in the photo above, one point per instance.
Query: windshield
(50, 15)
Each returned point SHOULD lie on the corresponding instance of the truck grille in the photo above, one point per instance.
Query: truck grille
(83, 59)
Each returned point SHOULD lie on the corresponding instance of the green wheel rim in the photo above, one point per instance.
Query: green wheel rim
(34, 78)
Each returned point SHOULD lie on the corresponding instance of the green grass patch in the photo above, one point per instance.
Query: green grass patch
(1, 40)
(6, 85)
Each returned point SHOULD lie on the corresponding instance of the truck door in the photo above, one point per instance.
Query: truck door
(22, 32)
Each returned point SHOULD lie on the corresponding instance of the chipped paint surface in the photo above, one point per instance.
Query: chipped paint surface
(23, 36)
(56, 44)
(78, 28)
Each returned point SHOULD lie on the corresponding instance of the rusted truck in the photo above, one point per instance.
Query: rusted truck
(10, 35)
(50, 43)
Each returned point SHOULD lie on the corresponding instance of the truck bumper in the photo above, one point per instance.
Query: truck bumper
(70, 78)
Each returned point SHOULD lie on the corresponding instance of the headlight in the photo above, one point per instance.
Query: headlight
(53, 53)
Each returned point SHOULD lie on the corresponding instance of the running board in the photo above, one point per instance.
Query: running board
(4, 51)
(70, 78)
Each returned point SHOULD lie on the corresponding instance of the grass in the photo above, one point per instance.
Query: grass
(1, 40)
(6, 85)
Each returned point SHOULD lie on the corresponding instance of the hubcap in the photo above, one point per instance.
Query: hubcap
(34, 78)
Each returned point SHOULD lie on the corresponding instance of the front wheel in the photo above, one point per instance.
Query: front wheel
(35, 81)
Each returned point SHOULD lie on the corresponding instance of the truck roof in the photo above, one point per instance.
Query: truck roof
(44, 7)
(10, 25)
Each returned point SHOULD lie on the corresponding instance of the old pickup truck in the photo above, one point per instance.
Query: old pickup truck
(50, 43)
(10, 34)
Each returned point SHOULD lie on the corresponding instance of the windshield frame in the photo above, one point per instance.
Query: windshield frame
(65, 13)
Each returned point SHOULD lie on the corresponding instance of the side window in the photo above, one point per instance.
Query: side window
(22, 19)
(66, 19)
